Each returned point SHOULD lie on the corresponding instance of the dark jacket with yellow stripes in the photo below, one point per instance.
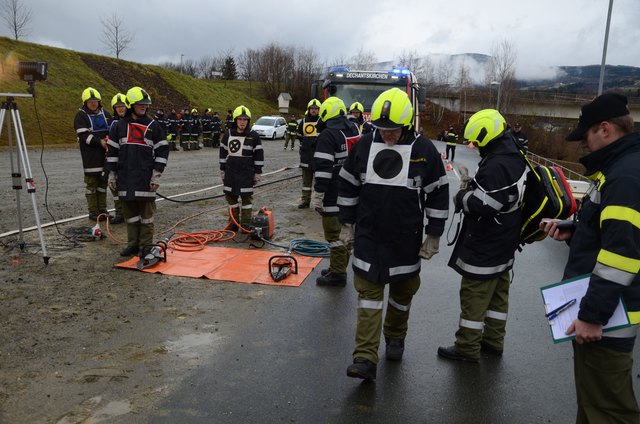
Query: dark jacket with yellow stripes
(331, 153)
(308, 132)
(491, 227)
(136, 148)
(606, 241)
(90, 129)
(388, 202)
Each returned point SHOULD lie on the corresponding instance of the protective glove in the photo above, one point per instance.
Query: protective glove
(430, 247)
(256, 178)
(155, 180)
(347, 235)
(316, 201)
(464, 177)
(457, 200)
(222, 175)
(112, 182)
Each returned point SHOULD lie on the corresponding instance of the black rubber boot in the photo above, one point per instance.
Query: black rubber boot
(362, 368)
(324, 272)
(394, 349)
(333, 279)
(451, 353)
(485, 348)
(130, 251)
(118, 219)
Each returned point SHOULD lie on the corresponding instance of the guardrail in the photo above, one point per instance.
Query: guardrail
(578, 183)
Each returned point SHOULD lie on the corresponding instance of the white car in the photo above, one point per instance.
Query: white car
(270, 127)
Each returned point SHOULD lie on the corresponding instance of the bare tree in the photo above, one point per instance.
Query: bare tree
(114, 36)
(501, 71)
(363, 59)
(17, 17)
(411, 61)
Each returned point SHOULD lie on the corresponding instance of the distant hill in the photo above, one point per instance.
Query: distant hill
(70, 72)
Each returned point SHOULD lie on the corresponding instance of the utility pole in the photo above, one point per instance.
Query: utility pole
(604, 49)
(181, 68)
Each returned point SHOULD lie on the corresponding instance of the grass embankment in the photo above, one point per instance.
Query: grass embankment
(70, 72)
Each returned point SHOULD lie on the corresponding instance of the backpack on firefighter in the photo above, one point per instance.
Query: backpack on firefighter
(547, 195)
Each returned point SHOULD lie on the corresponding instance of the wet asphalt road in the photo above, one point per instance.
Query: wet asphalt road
(287, 363)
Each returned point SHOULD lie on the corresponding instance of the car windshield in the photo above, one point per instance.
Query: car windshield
(266, 121)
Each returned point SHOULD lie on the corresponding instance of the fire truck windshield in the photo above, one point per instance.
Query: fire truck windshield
(360, 92)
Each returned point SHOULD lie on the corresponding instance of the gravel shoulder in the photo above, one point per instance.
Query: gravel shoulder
(78, 332)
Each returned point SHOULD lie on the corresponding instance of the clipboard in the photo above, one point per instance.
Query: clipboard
(555, 295)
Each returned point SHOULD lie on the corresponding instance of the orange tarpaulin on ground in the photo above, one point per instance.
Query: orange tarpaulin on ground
(227, 264)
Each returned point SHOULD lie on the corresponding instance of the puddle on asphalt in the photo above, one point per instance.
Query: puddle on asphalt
(110, 410)
(190, 345)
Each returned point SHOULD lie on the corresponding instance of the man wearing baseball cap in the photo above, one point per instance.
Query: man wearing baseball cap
(605, 242)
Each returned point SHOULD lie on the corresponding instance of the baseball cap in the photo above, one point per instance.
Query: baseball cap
(604, 107)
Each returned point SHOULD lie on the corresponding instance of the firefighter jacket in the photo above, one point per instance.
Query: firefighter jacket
(241, 156)
(216, 124)
(521, 139)
(292, 127)
(364, 126)
(195, 125)
(228, 123)
(492, 216)
(452, 137)
(173, 123)
(185, 123)
(308, 132)
(90, 129)
(606, 241)
(387, 191)
(206, 121)
(331, 153)
(136, 149)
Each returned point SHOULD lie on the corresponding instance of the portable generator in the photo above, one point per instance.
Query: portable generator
(262, 223)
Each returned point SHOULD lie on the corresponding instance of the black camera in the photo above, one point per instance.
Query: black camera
(33, 71)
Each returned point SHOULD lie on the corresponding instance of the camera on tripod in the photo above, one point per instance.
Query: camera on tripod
(33, 71)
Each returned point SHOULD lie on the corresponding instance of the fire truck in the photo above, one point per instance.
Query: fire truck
(365, 86)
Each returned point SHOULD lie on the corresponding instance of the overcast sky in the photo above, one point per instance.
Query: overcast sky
(545, 33)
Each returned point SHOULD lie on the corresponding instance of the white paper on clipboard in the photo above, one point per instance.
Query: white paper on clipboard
(558, 294)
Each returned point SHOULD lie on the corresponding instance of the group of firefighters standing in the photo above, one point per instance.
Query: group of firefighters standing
(383, 195)
(185, 129)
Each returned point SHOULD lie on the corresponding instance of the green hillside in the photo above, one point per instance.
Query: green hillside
(70, 72)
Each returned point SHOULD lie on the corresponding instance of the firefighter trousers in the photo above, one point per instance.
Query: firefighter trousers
(307, 182)
(338, 252)
(139, 218)
(604, 385)
(370, 307)
(95, 193)
(483, 314)
(243, 213)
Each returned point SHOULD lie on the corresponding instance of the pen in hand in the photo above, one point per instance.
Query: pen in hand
(553, 314)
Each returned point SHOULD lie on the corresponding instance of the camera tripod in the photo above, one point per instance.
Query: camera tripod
(21, 158)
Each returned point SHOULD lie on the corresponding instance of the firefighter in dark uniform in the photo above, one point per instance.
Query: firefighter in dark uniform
(195, 130)
(356, 112)
(241, 161)
(228, 123)
(452, 141)
(605, 243)
(216, 127)
(521, 137)
(331, 152)
(92, 129)
(172, 133)
(137, 155)
(291, 132)
(490, 234)
(308, 133)
(119, 107)
(391, 180)
(185, 133)
(206, 128)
